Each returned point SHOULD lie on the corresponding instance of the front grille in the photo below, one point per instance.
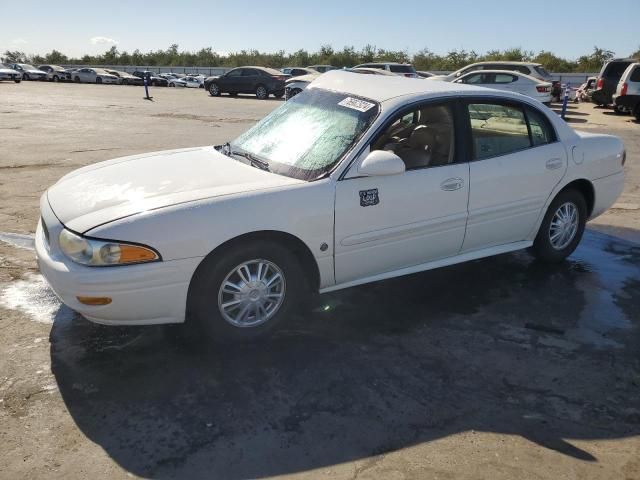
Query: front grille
(45, 230)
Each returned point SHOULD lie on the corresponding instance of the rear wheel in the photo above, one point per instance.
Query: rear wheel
(76, 79)
(25, 76)
(261, 92)
(98, 80)
(56, 78)
(247, 292)
(562, 227)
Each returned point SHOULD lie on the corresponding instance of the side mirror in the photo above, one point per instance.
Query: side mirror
(381, 162)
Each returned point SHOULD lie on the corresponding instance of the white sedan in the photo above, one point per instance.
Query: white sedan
(176, 82)
(94, 75)
(357, 179)
(510, 82)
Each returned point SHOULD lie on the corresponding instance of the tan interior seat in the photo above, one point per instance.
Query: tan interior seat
(417, 151)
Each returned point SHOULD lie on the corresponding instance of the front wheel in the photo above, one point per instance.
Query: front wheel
(261, 92)
(25, 76)
(56, 78)
(98, 80)
(17, 80)
(562, 227)
(214, 90)
(247, 292)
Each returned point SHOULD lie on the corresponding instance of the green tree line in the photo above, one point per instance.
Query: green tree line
(425, 59)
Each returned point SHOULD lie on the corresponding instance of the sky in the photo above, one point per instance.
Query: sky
(568, 28)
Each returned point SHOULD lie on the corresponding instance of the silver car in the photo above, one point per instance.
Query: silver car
(7, 73)
(94, 75)
(28, 72)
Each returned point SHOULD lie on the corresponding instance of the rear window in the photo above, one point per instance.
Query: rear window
(635, 75)
(615, 69)
(402, 68)
(542, 72)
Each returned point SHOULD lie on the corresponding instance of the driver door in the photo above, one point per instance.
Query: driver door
(386, 223)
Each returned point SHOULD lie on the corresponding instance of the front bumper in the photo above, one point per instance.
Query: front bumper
(145, 294)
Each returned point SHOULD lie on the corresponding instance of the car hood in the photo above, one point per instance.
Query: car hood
(106, 191)
(302, 78)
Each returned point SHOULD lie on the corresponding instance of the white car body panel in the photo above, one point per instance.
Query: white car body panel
(524, 84)
(186, 203)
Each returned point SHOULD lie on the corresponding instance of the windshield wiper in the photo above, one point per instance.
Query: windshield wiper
(252, 160)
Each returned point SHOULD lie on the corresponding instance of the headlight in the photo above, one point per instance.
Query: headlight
(102, 253)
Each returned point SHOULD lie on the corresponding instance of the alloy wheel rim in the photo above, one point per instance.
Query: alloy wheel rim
(262, 92)
(213, 89)
(252, 293)
(564, 226)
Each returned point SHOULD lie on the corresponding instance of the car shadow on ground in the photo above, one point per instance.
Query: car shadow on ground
(503, 345)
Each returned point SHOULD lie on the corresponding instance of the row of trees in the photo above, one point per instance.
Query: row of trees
(423, 60)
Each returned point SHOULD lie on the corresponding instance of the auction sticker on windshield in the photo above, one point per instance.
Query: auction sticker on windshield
(356, 104)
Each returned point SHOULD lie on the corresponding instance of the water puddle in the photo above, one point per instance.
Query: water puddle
(33, 296)
(19, 240)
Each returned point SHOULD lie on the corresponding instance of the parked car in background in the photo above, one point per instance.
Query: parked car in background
(509, 81)
(125, 78)
(424, 74)
(171, 75)
(194, 82)
(322, 68)
(7, 73)
(371, 71)
(152, 79)
(94, 75)
(402, 69)
(293, 86)
(608, 80)
(261, 81)
(359, 179)
(586, 90)
(176, 82)
(535, 70)
(28, 72)
(627, 96)
(298, 71)
(55, 73)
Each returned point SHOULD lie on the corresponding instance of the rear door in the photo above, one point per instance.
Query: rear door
(250, 80)
(517, 162)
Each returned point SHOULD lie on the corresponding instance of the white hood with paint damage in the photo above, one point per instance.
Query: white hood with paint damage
(118, 188)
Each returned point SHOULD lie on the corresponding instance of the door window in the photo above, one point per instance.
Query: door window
(422, 137)
(235, 73)
(504, 78)
(497, 129)
(477, 78)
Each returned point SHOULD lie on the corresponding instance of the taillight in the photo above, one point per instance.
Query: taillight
(625, 87)
(543, 89)
(600, 83)
(408, 75)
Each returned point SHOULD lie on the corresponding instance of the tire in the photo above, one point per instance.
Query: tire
(214, 90)
(565, 204)
(17, 80)
(76, 79)
(206, 294)
(172, 85)
(25, 76)
(261, 92)
(125, 81)
(617, 110)
(98, 80)
(56, 79)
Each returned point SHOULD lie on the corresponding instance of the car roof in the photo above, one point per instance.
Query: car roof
(509, 72)
(382, 87)
(504, 62)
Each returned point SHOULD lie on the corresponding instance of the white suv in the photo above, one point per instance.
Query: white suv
(627, 96)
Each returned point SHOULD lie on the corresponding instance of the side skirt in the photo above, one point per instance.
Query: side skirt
(444, 262)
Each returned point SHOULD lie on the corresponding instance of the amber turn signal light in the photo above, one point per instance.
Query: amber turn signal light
(94, 300)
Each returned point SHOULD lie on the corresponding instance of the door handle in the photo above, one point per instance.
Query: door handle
(554, 163)
(451, 184)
